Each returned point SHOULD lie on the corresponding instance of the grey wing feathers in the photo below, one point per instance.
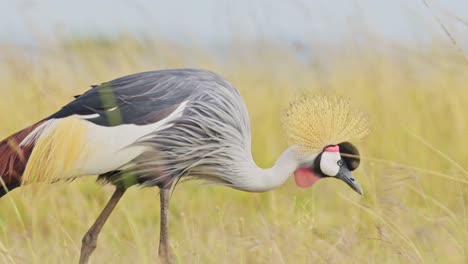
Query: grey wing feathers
(139, 99)
(211, 141)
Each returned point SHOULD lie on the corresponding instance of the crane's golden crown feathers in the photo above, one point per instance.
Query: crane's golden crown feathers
(316, 121)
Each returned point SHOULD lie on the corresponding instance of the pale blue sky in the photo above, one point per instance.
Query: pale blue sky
(216, 21)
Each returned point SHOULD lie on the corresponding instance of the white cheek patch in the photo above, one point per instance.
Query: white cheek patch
(329, 162)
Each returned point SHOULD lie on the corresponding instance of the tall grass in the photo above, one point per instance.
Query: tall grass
(414, 173)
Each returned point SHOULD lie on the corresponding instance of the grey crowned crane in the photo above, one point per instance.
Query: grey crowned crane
(154, 128)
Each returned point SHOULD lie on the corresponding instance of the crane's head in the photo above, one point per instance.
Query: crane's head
(321, 127)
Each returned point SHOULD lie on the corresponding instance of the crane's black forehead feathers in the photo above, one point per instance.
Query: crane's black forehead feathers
(350, 155)
(139, 99)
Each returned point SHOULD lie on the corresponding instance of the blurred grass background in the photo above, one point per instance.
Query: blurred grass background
(414, 172)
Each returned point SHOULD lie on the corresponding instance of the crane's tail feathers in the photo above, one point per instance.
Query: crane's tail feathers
(14, 157)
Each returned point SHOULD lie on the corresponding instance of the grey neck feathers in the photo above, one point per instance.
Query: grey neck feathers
(261, 180)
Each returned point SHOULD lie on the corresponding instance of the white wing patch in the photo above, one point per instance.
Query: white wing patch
(109, 148)
(96, 115)
(37, 132)
(89, 116)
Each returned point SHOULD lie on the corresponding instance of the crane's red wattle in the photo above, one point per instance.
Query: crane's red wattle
(305, 177)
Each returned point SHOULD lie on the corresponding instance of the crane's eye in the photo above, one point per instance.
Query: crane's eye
(340, 163)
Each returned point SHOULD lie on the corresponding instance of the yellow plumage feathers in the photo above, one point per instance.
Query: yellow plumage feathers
(316, 121)
(56, 152)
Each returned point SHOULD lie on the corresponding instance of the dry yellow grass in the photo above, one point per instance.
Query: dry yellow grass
(415, 175)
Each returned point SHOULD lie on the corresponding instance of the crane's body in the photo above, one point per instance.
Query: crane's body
(154, 128)
(171, 121)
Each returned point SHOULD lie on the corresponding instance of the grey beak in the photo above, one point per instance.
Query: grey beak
(345, 175)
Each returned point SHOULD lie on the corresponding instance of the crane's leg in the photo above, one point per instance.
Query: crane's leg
(165, 251)
(90, 239)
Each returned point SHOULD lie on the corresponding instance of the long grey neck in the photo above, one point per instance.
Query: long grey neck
(261, 180)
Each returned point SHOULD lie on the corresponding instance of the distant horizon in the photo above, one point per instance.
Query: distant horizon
(213, 23)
